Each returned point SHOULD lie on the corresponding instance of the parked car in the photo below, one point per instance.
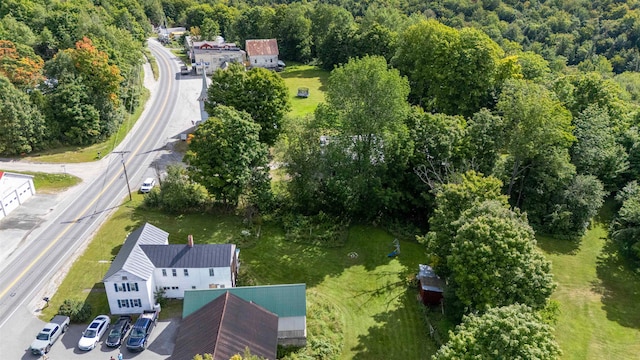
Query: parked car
(147, 185)
(141, 330)
(118, 331)
(49, 334)
(94, 332)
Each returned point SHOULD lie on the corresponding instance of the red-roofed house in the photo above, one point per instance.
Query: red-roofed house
(263, 53)
(15, 189)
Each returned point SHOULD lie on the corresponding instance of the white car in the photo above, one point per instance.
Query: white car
(94, 332)
(147, 185)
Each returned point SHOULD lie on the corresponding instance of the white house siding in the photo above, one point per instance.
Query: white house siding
(15, 189)
(128, 300)
(292, 330)
(215, 59)
(198, 278)
(264, 61)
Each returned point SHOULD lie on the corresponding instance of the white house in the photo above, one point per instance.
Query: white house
(263, 53)
(15, 189)
(146, 263)
(214, 55)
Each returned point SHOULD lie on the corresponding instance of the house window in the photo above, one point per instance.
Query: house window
(120, 287)
(132, 286)
(174, 272)
(164, 272)
(123, 303)
(255, 61)
(174, 288)
(137, 302)
(211, 273)
(193, 287)
(186, 272)
(270, 60)
(124, 278)
(166, 288)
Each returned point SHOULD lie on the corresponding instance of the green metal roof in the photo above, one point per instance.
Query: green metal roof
(283, 300)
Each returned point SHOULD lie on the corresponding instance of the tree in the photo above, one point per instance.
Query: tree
(451, 71)
(365, 111)
(509, 332)
(260, 92)
(20, 65)
(292, 28)
(535, 123)
(209, 29)
(486, 140)
(255, 22)
(178, 193)
(494, 260)
(451, 200)
(226, 156)
(625, 227)
(22, 126)
(596, 151)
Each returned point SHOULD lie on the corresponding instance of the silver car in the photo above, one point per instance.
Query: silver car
(92, 335)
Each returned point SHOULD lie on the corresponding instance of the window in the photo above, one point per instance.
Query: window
(165, 288)
(124, 278)
(119, 287)
(255, 61)
(164, 272)
(132, 286)
(211, 272)
(186, 272)
(123, 303)
(137, 302)
(174, 272)
(193, 287)
(270, 60)
(174, 288)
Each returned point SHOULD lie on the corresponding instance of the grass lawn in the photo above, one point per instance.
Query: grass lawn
(598, 295)
(311, 77)
(50, 183)
(78, 154)
(367, 298)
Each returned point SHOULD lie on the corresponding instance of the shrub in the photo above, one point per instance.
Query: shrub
(77, 311)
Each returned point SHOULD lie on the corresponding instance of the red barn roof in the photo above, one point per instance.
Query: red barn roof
(261, 47)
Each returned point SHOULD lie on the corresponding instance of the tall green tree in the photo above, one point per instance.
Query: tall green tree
(451, 71)
(178, 193)
(260, 92)
(494, 260)
(22, 126)
(502, 333)
(256, 22)
(227, 157)
(625, 227)
(292, 28)
(462, 192)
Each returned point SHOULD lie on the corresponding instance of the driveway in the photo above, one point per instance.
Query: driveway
(160, 347)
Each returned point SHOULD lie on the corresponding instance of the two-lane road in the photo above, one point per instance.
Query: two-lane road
(39, 259)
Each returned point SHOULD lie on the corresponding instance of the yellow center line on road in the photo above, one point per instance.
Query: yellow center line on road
(66, 229)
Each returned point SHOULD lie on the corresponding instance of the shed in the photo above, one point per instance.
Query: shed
(15, 189)
(431, 286)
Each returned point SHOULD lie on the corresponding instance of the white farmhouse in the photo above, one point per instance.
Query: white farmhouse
(263, 53)
(214, 55)
(15, 189)
(146, 263)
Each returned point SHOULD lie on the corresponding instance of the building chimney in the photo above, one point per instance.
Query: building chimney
(190, 240)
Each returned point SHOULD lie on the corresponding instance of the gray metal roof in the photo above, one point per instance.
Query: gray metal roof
(131, 258)
(184, 256)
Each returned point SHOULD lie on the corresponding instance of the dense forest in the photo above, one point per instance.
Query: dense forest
(464, 122)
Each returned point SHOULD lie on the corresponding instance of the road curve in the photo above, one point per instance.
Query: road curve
(41, 258)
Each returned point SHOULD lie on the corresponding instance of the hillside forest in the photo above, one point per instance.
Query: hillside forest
(473, 125)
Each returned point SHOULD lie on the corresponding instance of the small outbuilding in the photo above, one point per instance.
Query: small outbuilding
(15, 189)
(431, 286)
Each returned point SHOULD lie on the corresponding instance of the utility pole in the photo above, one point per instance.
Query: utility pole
(125, 172)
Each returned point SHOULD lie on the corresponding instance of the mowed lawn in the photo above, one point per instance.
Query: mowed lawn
(599, 298)
(368, 296)
(306, 76)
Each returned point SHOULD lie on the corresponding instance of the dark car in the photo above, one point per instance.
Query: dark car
(141, 330)
(119, 331)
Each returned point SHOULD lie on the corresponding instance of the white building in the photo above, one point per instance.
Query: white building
(146, 263)
(263, 53)
(15, 189)
(214, 55)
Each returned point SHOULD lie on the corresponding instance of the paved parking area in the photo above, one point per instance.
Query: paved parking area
(161, 346)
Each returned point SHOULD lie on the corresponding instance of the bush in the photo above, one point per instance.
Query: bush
(320, 229)
(78, 311)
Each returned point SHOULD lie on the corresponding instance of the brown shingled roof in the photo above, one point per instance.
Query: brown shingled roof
(225, 327)
(261, 47)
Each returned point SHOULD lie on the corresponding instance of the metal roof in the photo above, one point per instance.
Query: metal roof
(225, 327)
(429, 280)
(261, 47)
(131, 258)
(184, 256)
(285, 300)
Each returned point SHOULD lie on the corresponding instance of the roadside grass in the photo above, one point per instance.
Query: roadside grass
(78, 154)
(311, 77)
(368, 296)
(181, 54)
(598, 294)
(50, 183)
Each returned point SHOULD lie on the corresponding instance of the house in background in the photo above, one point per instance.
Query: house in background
(225, 327)
(15, 189)
(287, 301)
(147, 262)
(214, 55)
(263, 53)
(431, 286)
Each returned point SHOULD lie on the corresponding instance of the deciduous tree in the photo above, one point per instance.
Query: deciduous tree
(22, 126)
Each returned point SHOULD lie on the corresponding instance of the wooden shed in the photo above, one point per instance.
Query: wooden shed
(431, 286)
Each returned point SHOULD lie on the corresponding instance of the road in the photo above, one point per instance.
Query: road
(33, 265)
